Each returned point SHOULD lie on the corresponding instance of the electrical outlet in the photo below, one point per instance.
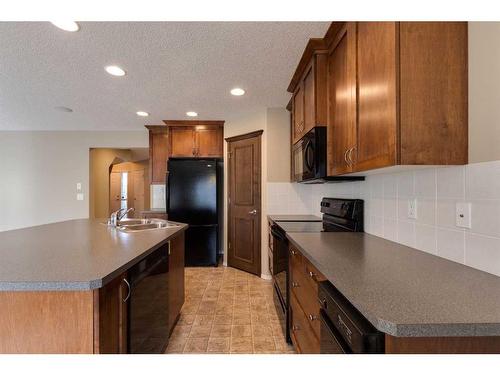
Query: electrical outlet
(463, 216)
(78, 186)
(79, 197)
(412, 208)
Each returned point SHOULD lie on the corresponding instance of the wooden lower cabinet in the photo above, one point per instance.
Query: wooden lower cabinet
(176, 279)
(110, 309)
(304, 305)
(442, 345)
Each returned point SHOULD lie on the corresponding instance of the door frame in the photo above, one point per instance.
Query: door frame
(255, 134)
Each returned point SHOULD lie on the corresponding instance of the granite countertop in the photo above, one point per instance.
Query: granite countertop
(403, 291)
(72, 255)
(294, 218)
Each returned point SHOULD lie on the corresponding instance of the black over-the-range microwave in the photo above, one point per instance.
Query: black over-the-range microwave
(309, 159)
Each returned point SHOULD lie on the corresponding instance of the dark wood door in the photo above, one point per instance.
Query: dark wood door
(377, 53)
(342, 102)
(244, 214)
(182, 142)
(208, 142)
(176, 279)
(111, 332)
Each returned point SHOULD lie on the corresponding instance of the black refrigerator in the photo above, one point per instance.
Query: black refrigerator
(194, 196)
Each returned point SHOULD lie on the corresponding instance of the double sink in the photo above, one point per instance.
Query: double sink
(139, 225)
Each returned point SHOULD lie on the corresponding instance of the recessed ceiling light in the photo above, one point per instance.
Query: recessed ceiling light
(115, 70)
(237, 91)
(63, 109)
(66, 25)
(142, 114)
(191, 114)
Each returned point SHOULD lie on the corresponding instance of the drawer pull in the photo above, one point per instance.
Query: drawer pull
(293, 252)
(312, 317)
(323, 303)
(295, 328)
(312, 275)
(295, 284)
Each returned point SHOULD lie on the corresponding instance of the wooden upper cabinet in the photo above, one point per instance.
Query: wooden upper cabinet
(308, 87)
(341, 79)
(158, 153)
(182, 142)
(397, 95)
(196, 138)
(377, 101)
(208, 142)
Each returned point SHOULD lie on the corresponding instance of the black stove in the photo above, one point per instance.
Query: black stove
(339, 215)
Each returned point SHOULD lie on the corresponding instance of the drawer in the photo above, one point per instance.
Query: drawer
(303, 337)
(313, 276)
(295, 258)
(307, 298)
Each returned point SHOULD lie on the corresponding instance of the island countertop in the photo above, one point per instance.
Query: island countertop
(79, 254)
(402, 291)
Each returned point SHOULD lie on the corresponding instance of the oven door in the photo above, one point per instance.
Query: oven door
(331, 342)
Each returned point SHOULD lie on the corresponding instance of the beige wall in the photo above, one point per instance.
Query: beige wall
(278, 145)
(40, 170)
(484, 91)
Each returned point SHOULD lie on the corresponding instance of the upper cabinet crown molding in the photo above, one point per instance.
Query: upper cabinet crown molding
(194, 122)
(314, 46)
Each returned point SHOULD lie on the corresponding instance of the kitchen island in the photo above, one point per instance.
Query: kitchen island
(423, 303)
(64, 287)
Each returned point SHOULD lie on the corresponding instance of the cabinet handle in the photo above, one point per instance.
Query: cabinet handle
(345, 157)
(312, 275)
(295, 328)
(293, 252)
(168, 246)
(128, 294)
(322, 302)
(312, 317)
(350, 155)
(295, 284)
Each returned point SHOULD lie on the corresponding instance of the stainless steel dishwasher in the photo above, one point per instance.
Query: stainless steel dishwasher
(148, 328)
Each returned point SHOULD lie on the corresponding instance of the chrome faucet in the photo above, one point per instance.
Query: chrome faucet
(118, 215)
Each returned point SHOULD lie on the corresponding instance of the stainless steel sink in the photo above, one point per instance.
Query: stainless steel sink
(139, 225)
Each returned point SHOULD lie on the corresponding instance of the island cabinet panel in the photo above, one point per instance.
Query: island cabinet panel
(110, 331)
(176, 279)
(442, 345)
(47, 322)
(305, 308)
(158, 153)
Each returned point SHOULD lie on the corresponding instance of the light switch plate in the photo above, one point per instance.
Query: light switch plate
(79, 197)
(78, 186)
(463, 216)
(412, 208)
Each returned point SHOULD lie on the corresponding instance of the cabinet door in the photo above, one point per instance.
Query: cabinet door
(111, 335)
(309, 99)
(158, 155)
(175, 279)
(298, 113)
(182, 142)
(208, 142)
(342, 102)
(377, 105)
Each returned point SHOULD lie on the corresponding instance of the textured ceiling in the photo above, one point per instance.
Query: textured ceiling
(172, 67)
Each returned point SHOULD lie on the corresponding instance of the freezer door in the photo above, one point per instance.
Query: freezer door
(201, 245)
(192, 191)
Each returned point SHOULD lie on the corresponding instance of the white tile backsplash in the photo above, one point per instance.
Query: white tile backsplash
(437, 191)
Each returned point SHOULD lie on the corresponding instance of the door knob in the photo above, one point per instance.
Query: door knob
(253, 212)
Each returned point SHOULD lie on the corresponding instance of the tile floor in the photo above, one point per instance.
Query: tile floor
(227, 311)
